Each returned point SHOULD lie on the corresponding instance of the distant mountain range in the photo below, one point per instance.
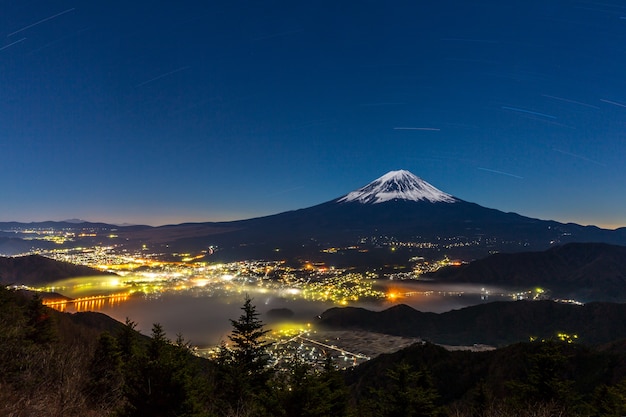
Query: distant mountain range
(585, 271)
(497, 323)
(35, 270)
(398, 209)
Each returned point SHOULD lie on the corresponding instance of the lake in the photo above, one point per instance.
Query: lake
(204, 319)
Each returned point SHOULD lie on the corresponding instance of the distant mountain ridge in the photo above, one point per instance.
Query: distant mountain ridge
(497, 323)
(585, 271)
(397, 207)
(35, 270)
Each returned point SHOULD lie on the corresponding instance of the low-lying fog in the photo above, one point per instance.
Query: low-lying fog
(203, 319)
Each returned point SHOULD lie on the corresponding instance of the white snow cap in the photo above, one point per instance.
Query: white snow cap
(397, 185)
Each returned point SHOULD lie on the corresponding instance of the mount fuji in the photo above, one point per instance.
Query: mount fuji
(397, 185)
(395, 217)
(397, 210)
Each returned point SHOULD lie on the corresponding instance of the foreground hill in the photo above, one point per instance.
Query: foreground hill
(525, 379)
(86, 364)
(498, 323)
(48, 359)
(584, 271)
(35, 270)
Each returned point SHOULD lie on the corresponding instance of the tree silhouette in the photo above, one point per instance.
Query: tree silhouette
(248, 338)
(159, 379)
(104, 388)
(409, 394)
(243, 368)
(547, 379)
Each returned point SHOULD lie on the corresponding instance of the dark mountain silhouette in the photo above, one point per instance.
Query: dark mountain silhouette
(396, 207)
(66, 224)
(37, 270)
(585, 271)
(15, 246)
(461, 376)
(498, 323)
(21, 238)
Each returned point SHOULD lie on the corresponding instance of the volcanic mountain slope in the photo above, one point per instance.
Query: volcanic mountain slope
(398, 185)
(584, 271)
(397, 205)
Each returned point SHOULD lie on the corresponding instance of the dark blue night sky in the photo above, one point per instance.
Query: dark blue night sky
(165, 112)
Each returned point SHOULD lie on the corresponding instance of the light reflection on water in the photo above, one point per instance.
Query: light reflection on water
(205, 320)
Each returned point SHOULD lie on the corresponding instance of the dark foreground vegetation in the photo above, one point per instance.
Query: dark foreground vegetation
(58, 364)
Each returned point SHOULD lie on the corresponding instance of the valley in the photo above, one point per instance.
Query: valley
(396, 241)
(392, 268)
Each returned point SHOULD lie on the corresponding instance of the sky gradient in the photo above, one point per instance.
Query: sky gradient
(168, 112)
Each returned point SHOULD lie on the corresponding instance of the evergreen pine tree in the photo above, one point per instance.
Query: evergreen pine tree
(547, 379)
(104, 388)
(248, 338)
(609, 401)
(41, 324)
(409, 394)
(336, 395)
(158, 383)
(127, 340)
(244, 372)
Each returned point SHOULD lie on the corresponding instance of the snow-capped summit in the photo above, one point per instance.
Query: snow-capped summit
(397, 185)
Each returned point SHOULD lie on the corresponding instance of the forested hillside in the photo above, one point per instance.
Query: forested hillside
(86, 364)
